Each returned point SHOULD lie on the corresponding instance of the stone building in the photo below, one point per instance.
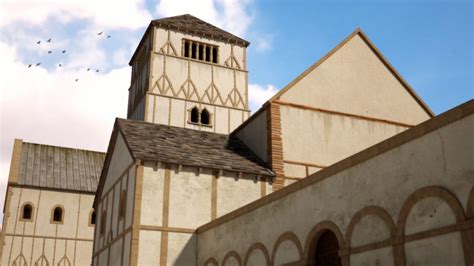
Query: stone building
(48, 216)
(346, 165)
(187, 173)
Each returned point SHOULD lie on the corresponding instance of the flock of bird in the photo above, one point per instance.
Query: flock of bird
(63, 52)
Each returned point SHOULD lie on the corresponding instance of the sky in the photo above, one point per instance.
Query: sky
(429, 42)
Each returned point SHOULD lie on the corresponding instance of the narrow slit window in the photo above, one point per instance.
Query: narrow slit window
(195, 115)
(201, 52)
(214, 55)
(193, 50)
(205, 117)
(186, 48)
(102, 222)
(92, 218)
(27, 212)
(208, 54)
(122, 204)
(58, 215)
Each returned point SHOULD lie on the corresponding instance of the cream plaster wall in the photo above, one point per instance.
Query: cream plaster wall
(114, 242)
(354, 80)
(442, 158)
(71, 240)
(187, 82)
(121, 160)
(323, 139)
(190, 205)
(175, 112)
(254, 135)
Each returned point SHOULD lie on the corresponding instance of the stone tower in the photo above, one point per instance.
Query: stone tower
(189, 73)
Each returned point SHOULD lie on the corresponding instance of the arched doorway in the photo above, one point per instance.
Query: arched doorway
(326, 252)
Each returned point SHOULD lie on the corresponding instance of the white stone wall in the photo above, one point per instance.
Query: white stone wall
(177, 84)
(405, 204)
(40, 238)
(112, 245)
(176, 201)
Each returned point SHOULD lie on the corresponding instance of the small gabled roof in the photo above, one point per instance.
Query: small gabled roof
(59, 168)
(175, 145)
(190, 24)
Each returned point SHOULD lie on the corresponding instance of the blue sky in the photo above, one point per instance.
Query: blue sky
(429, 42)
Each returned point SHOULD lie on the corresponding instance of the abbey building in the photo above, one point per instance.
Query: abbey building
(346, 165)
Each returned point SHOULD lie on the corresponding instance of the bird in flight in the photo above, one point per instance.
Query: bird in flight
(64, 51)
(96, 70)
(29, 65)
(88, 69)
(108, 36)
(60, 65)
(38, 42)
(49, 40)
(38, 64)
(100, 33)
(50, 52)
(76, 80)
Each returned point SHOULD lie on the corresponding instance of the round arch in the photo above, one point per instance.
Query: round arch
(230, 254)
(262, 248)
(315, 234)
(211, 261)
(290, 236)
(370, 210)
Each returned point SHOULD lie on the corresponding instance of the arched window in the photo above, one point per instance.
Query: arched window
(92, 218)
(205, 117)
(57, 215)
(327, 248)
(195, 115)
(27, 212)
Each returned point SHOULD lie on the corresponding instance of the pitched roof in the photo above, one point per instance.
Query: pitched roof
(54, 167)
(167, 144)
(357, 32)
(190, 24)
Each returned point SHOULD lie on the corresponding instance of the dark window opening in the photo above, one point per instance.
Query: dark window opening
(193, 50)
(186, 49)
(122, 204)
(58, 214)
(205, 117)
(195, 115)
(27, 212)
(327, 250)
(208, 54)
(201, 52)
(214, 55)
(93, 217)
(102, 222)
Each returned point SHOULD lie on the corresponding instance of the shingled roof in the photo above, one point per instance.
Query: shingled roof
(61, 168)
(167, 144)
(190, 24)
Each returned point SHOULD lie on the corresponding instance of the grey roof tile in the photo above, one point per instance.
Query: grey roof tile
(154, 142)
(47, 166)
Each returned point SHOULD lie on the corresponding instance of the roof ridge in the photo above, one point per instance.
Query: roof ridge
(63, 147)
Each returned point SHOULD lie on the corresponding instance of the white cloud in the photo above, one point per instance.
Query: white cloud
(50, 107)
(129, 14)
(231, 15)
(258, 95)
(263, 43)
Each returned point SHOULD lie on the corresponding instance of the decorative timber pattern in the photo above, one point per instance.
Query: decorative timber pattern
(42, 261)
(189, 91)
(275, 146)
(232, 61)
(168, 47)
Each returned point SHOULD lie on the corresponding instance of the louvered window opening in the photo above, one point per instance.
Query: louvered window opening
(200, 51)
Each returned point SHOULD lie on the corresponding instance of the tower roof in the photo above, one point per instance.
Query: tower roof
(190, 24)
